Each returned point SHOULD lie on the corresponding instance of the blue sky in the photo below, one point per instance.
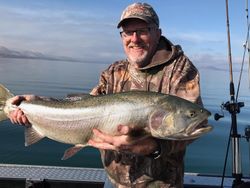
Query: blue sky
(86, 29)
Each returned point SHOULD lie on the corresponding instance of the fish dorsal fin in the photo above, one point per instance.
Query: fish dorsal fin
(72, 151)
(31, 136)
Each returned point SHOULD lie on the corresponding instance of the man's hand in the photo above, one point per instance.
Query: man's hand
(123, 143)
(17, 116)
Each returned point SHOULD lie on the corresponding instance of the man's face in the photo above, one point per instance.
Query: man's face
(139, 41)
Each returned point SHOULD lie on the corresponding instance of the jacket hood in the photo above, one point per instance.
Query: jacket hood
(165, 52)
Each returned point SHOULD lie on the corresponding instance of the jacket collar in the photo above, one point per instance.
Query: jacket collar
(165, 52)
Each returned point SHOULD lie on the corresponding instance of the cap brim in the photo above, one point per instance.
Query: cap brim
(132, 17)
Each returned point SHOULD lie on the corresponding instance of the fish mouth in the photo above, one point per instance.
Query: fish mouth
(198, 128)
(193, 131)
(199, 131)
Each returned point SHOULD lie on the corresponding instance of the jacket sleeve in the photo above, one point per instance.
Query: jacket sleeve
(101, 87)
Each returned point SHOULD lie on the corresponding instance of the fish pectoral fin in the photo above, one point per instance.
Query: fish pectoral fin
(72, 151)
(31, 136)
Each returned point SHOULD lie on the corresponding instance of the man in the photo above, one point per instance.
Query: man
(153, 64)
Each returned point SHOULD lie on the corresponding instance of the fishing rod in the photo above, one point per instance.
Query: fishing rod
(233, 107)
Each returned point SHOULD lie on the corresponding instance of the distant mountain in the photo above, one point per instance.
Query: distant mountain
(8, 53)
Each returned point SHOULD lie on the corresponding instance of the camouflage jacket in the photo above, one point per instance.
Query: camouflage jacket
(170, 72)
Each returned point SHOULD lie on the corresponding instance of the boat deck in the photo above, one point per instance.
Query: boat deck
(29, 176)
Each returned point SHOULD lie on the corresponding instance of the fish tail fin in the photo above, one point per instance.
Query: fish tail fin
(72, 151)
(5, 94)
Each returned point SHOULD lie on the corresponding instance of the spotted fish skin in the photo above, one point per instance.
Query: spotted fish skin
(72, 121)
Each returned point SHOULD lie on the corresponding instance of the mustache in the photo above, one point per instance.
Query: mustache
(141, 45)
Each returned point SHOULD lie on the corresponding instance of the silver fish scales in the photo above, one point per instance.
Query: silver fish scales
(72, 121)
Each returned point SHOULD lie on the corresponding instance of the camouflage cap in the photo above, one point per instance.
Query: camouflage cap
(141, 11)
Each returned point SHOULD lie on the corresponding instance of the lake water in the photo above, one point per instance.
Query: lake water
(59, 78)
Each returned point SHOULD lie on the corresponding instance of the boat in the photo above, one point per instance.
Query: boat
(34, 176)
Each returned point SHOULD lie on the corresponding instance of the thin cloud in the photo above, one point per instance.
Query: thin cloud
(89, 31)
(217, 62)
(199, 37)
(71, 33)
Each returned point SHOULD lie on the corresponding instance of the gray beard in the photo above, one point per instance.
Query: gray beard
(139, 61)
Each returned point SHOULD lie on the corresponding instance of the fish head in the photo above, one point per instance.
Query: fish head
(181, 120)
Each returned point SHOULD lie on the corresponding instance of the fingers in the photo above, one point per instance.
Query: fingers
(123, 129)
(122, 143)
(30, 97)
(115, 140)
(102, 145)
(18, 117)
(106, 141)
(143, 147)
(18, 99)
(102, 141)
(103, 137)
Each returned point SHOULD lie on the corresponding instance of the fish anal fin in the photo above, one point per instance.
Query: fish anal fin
(31, 136)
(72, 151)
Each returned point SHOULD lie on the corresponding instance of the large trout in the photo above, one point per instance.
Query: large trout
(71, 121)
